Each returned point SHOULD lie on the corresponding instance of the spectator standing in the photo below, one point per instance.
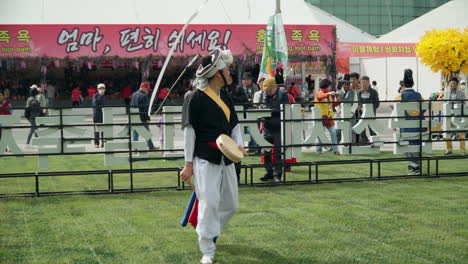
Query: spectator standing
(279, 76)
(5, 107)
(98, 101)
(162, 94)
(42, 99)
(32, 110)
(272, 98)
(51, 93)
(258, 94)
(91, 92)
(7, 93)
(76, 96)
(463, 88)
(355, 83)
(367, 95)
(244, 93)
(140, 100)
(126, 94)
(346, 95)
(402, 86)
(326, 96)
(308, 80)
(355, 86)
(292, 90)
(455, 96)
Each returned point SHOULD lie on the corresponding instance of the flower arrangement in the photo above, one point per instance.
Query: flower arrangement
(444, 50)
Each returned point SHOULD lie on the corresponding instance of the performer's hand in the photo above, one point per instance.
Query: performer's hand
(241, 148)
(187, 172)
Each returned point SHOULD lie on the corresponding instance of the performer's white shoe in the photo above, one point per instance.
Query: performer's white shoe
(206, 260)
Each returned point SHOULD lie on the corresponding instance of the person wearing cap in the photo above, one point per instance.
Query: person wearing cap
(408, 94)
(456, 97)
(272, 98)
(243, 94)
(207, 113)
(345, 94)
(98, 102)
(140, 100)
(32, 110)
(33, 87)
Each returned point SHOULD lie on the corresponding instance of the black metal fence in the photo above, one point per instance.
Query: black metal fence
(314, 174)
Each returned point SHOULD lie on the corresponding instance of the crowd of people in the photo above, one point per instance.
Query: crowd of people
(350, 88)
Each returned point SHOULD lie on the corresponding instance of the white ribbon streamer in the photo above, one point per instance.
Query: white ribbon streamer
(168, 58)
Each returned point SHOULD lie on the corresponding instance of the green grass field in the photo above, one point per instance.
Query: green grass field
(398, 221)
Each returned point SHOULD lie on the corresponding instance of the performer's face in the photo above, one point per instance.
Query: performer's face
(227, 76)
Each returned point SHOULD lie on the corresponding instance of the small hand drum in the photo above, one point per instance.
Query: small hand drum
(229, 148)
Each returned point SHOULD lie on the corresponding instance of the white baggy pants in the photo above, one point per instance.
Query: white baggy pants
(216, 189)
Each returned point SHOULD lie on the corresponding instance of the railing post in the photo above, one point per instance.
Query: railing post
(316, 173)
(36, 177)
(178, 178)
(421, 116)
(378, 169)
(109, 180)
(130, 148)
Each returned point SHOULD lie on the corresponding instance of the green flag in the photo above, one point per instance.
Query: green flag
(275, 49)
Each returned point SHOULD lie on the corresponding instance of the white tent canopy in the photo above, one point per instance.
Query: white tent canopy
(389, 71)
(171, 12)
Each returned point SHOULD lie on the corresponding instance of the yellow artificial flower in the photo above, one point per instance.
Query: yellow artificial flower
(444, 50)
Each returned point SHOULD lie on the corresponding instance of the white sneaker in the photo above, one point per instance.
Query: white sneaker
(206, 260)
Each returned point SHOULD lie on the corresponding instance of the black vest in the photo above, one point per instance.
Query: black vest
(209, 121)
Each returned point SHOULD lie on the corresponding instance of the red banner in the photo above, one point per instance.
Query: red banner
(349, 49)
(59, 41)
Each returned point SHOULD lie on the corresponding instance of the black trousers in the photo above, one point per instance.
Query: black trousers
(127, 104)
(32, 131)
(273, 169)
(96, 138)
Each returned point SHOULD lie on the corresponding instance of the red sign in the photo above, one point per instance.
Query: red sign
(349, 49)
(59, 41)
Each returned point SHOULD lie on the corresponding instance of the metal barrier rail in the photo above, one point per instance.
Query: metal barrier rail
(248, 169)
